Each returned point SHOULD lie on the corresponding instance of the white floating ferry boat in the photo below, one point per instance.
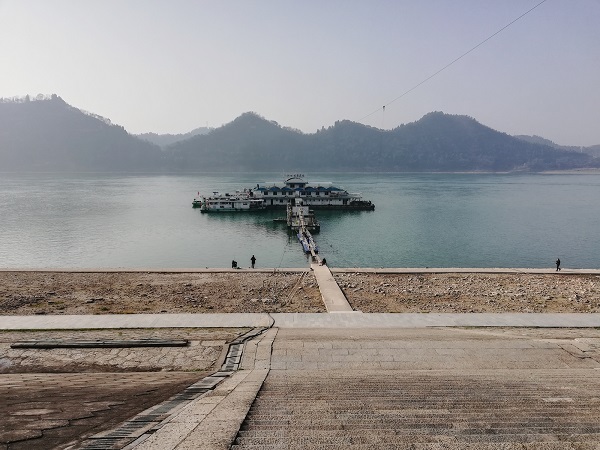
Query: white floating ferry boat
(279, 195)
(239, 201)
(316, 195)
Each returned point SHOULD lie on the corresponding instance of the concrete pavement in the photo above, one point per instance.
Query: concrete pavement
(298, 320)
(427, 389)
(382, 381)
(117, 321)
(334, 299)
(212, 421)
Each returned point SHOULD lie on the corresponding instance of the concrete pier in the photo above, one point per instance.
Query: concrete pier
(333, 297)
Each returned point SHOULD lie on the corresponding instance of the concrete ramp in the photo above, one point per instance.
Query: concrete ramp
(424, 390)
(333, 297)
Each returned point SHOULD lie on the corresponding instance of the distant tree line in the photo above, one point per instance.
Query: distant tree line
(27, 98)
(49, 135)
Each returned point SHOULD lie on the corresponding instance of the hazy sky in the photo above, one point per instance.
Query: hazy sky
(169, 66)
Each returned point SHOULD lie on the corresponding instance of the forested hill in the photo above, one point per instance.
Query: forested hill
(437, 142)
(593, 150)
(167, 139)
(50, 135)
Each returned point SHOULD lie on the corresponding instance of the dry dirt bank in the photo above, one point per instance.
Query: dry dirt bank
(23, 293)
(471, 292)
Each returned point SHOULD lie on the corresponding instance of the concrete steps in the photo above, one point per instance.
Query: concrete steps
(416, 410)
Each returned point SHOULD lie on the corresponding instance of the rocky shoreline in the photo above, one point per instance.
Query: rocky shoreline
(471, 292)
(30, 292)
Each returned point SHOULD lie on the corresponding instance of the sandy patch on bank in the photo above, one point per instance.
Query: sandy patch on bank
(25, 293)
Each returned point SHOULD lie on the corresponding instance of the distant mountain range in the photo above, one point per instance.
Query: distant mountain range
(165, 140)
(51, 136)
(47, 134)
(594, 150)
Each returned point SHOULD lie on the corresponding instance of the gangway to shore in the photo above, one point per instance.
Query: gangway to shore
(333, 297)
(306, 239)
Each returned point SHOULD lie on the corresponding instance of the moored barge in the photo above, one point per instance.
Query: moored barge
(239, 201)
(314, 195)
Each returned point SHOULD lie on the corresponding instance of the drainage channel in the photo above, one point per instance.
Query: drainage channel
(137, 429)
(96, 343)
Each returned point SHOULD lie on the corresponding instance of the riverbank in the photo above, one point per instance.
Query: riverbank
(245, 291)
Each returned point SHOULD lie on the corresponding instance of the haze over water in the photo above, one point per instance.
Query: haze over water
(420, 220)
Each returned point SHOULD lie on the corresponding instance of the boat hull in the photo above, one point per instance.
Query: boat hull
(228, 203)
(231, 209)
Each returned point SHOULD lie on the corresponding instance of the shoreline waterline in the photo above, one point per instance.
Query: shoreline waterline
(372, 270)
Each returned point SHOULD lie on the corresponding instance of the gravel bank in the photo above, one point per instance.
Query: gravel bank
(26, 293)
(471, 292)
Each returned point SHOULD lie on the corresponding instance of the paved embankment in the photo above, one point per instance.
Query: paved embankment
(388, 381)
(212, 421)
(427, 389)
(297, 320)
(53, 396)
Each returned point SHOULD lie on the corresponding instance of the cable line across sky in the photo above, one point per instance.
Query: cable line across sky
(452, 62)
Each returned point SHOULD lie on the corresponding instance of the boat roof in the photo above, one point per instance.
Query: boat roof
(303, 188)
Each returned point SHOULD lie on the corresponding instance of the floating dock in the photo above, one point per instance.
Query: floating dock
(302, 220)
(300, 217)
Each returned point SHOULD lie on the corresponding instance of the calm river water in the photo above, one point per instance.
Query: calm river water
(420, 220)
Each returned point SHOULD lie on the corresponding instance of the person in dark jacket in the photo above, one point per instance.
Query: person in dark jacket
(558, 264)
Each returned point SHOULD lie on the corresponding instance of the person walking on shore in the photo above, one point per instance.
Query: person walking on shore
(557, 264)
(253, 261)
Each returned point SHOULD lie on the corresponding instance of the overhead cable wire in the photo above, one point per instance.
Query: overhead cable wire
(454, 61)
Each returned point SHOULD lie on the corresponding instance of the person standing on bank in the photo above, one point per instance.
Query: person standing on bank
(253, 261)
(557, 264)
